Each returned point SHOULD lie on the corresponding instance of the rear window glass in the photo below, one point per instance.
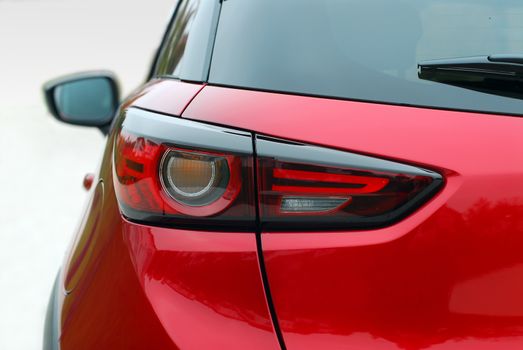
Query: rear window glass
(364, 49)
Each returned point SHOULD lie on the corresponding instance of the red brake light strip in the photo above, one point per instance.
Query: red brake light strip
(370, 184)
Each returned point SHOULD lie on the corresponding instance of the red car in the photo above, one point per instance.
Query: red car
(305, 174)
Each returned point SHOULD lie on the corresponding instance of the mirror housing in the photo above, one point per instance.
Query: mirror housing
(87, 99)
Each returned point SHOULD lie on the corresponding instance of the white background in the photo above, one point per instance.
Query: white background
(42, 162)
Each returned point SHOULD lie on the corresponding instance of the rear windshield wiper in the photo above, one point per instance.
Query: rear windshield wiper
(495, 74)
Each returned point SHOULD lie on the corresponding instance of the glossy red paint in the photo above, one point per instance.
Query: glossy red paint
(128, 286)
(163, 288)
(450, 276)
(205, 287)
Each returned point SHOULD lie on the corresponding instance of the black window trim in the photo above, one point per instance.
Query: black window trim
(212, 38)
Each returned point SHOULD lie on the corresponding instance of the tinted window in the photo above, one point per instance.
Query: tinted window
(187, 47)
(364, 49)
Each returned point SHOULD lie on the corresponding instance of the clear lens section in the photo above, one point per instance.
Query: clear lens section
(193, 178)
(190, 177)
(310, 204)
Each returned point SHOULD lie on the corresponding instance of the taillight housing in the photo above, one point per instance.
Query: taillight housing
(315, 188)
(170, 171)
(174, 172)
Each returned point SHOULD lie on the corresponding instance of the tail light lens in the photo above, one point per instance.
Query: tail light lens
(308, 187)
(171, 171)
(197, 180)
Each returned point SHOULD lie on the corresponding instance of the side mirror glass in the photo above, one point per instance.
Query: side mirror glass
(89, 99)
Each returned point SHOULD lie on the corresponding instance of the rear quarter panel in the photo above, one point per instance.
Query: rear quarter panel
(450, 276)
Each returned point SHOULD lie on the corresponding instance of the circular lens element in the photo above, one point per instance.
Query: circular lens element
(190, 177)
(194, 179)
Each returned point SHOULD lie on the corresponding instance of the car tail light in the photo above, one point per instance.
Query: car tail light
(308, 187)
(200, 183)
(171, 171)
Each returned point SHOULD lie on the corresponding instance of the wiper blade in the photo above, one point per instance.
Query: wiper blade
(494, 74)
(497, 66)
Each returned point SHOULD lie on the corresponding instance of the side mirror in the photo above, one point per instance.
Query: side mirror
(88, 99)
